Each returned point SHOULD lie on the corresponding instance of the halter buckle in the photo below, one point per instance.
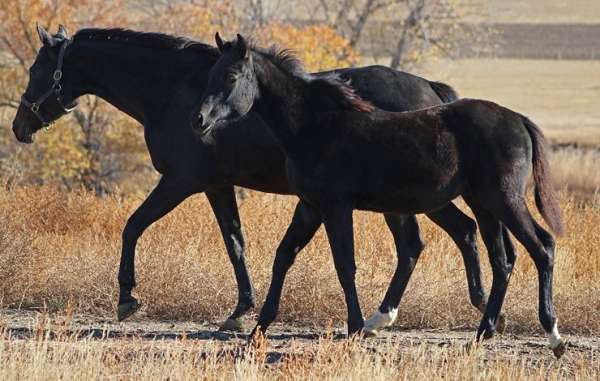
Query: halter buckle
(35, 107)
(57, 75)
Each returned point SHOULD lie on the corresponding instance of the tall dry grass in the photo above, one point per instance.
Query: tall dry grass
(58, 247)
(577, 169)
(54, 352)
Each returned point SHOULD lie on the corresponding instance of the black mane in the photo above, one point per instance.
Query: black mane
(331, 85)
(144, 39)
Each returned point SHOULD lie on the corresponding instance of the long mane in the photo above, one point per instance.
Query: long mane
(338, 90)
(145, 39)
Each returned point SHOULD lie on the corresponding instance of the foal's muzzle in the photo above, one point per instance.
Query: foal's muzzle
(200, 125)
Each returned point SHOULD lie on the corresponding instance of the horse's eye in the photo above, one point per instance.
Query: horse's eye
(231, 79)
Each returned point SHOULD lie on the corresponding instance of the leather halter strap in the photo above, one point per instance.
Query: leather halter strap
(55, 89)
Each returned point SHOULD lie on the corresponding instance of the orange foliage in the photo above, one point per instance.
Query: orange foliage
(320, 47)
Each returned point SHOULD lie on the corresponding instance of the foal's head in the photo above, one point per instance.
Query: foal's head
(48, 93)
(232, 86)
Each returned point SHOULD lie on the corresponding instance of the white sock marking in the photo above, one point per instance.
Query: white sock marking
(382, 319)
(554, 337)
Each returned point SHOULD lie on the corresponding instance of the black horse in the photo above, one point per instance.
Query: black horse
(344, 154)
(158, 79)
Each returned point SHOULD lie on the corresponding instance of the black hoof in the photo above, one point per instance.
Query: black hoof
(125, 310)
(232, 325)
(501, 323)
(560, 350)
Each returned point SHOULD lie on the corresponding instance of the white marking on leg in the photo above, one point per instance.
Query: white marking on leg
(554, 337)
(382, 319)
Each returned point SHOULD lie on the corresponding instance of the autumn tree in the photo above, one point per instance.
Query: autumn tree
(408, 31)
(86, 149)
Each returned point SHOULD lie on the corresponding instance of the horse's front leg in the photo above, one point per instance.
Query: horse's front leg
(169, 193)
(305, 223)
(409, 246)
(338, 225)
(224, 205)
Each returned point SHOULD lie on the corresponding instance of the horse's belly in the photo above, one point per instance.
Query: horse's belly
(408, 202)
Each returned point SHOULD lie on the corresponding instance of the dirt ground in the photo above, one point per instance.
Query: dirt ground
(282, 337)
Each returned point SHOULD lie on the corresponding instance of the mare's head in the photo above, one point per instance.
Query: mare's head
(232, 87)
(48, 93)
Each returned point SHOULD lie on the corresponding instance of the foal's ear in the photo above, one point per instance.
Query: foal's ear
(62, 32)
(45, 37)
(242, 47)
(220, 43)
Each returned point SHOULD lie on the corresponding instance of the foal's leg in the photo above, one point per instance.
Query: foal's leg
(502, 262)
(224, 206)
(304, 225)
(165, 197)
(408, 248)
(338, 225)
(540, 245)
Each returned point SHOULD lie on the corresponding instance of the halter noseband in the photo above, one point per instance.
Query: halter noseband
(56, 89)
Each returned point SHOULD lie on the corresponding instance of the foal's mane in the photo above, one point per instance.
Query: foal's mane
(333, 86)
(145, 39)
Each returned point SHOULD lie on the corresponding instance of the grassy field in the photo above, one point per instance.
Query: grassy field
(53, 351)
(57, 248)
(542, 11)
(60, 251)
(560, 96)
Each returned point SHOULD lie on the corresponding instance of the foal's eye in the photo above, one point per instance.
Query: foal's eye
(231, 78)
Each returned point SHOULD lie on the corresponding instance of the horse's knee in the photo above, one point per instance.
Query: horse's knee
(284, 259)
(467, 239)
(132, 230)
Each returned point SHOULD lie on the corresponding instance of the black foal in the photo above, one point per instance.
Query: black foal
(343, 154)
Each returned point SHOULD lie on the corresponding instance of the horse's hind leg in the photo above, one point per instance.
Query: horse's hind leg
(502, 262)
(540, 245)
(224, 206)
(305, 223)
(463, 231)
(409, 246)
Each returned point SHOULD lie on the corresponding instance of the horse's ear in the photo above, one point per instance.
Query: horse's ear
(62, 32)
(45, 37)
(242, 46)
(220, 43)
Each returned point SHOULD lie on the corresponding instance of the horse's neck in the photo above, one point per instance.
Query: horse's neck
(129, 80)
(283, 105)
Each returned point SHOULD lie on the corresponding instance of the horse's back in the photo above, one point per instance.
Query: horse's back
(390, 89)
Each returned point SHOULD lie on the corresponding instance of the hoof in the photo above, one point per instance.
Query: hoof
(501, 323)
(560, 349)
(369, 332)
(488, 334)
(234, 325)
(125, 310)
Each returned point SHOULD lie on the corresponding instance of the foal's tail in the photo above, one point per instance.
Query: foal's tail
(446, 93)
(545, 195)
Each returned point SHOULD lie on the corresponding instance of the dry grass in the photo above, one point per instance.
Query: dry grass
(560, 96)
(547, 11)
(57, 247)
(577, 169)
(53, 352)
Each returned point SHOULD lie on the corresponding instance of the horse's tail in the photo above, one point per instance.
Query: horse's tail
(546, 198)
(446, 93)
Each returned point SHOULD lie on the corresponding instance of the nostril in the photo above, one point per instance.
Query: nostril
(200, 121)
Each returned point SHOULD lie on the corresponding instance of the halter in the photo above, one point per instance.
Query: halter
(56, 89)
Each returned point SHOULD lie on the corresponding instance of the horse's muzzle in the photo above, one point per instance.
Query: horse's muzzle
(22, 134)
